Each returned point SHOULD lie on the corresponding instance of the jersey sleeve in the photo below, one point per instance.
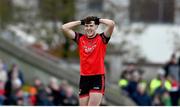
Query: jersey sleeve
(104, 38)
(77, 37)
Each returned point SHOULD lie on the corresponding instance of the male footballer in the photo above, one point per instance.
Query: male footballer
(92, 50)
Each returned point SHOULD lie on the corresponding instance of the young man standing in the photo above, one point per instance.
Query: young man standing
(92, 49)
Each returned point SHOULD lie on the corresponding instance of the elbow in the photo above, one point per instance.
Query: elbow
(63, 28)
(112, 23)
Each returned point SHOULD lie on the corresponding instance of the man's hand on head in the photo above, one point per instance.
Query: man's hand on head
(82, 22)
(96, 19)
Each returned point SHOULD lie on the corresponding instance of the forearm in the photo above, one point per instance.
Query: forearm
(110, 26)
(67, 28)
(107, 22)
(70, 25)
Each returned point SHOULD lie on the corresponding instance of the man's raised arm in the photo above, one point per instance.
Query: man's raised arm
(67, 28)
(110, 26)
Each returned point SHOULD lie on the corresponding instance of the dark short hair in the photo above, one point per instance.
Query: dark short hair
(88, 19)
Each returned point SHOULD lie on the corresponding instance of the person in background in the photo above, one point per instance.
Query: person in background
(3, 80)
(172, 69)
(140, 96)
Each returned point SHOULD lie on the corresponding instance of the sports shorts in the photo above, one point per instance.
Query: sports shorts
(94, 83)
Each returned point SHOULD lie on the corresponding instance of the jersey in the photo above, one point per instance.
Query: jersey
(92, 53)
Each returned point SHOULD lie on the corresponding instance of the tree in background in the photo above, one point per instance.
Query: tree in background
(58, 10)
(55, 10)
(6, 12)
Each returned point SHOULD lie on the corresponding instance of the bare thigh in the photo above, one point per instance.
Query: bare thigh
(95, 99)
(84, 101)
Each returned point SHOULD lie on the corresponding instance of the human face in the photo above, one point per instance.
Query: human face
(90, 29)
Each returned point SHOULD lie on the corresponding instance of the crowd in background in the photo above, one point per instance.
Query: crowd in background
(163, 90)
(15, 91)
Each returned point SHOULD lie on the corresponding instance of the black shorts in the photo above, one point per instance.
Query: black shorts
(95, 83)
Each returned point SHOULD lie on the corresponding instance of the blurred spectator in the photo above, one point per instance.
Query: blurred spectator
(2, 92)
(34, 90)
(19, 97)
(140, 96)
(162, 99)
(159, 83)
(174, 91)
(156, 101)
(53, 85)
(14, 83)
(13, 92)
(42, 96)
(166, 99)
(32, 97)
(123, 83)
(15, 69)
(62, 91)
(126, 74)
(70, 99)
(136, 78)
(129, 69)
(3, 79)
(173, 68)
(129, 79)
